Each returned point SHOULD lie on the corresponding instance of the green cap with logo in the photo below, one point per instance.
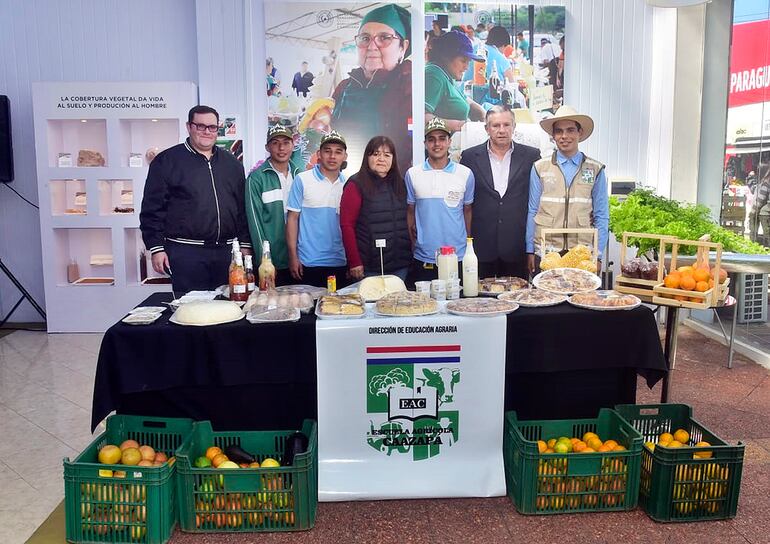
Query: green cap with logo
(333, 137)
(436, 124)
(277, 131)
(396, 17)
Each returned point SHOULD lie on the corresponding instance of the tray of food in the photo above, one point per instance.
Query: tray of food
(491, 287)
(148, 310)
(477, 307)
(340, 307)
(604, 300)
(147, 318)
(404, 304)
(312, 290)
(205, 313)
(567, 281)
(533, 298)
(266, 314)
(273, 299)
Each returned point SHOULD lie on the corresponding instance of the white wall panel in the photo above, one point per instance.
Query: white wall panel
(75, 40)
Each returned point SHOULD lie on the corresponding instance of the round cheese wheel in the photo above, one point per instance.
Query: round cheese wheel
(376, 287)
(207, 312)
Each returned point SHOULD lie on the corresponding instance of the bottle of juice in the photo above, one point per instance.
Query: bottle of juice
(237, 276)
(250, 277)
(266, 269)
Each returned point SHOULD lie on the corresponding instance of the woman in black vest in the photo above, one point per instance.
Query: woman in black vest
(373, 207)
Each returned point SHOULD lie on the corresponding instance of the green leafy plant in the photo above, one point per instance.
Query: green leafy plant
(644, 211)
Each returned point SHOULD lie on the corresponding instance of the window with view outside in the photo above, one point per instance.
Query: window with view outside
(746, 179)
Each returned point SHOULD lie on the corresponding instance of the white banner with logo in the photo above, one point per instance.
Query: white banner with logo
(410, 407)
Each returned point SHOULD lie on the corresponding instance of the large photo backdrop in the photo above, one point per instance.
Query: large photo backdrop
(341, 66)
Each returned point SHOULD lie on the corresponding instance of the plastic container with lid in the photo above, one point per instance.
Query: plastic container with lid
(447, 263)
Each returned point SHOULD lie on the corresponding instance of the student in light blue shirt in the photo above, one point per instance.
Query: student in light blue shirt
(439, 198)
(313, 233)
(566, 190)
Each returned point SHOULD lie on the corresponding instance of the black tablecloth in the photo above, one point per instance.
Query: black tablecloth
(561, 361)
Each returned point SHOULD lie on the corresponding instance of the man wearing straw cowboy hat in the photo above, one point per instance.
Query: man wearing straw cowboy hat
(566, 190)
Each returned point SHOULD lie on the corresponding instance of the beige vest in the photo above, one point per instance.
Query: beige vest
(560, 208)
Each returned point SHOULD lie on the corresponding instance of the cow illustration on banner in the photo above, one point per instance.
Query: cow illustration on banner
(410, 399)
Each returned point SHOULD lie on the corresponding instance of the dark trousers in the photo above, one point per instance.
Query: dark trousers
(503, 268)
(197, 268)
(421, 271)
(317, 275)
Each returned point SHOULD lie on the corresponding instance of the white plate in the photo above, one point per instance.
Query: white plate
(337, 316)
(594, 278)
(506, 295)
(607, 308)
(381, 314)
(450, 310)
(147, 310)
(173, 320)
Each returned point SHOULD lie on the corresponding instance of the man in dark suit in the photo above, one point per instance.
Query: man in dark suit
(501, 169)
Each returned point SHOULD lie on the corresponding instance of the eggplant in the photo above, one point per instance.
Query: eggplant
(238, 455)
(295, 444)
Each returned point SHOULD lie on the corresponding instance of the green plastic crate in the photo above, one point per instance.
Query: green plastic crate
(575, 482)
(674, 485)
(119, 503)
(247, 499)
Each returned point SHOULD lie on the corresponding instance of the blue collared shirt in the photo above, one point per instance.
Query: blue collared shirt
(600, 205)
(317, 199)
(439, 198)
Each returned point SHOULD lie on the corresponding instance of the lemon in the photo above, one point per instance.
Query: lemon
(560, 447)
(269, 462)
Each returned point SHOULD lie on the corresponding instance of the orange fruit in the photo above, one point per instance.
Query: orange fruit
(574, 440)
(604, 447)
(610, 443)
(212, 452)
(696, 299)
(687, 283)
(685, 270)
(680, 297)
(541, 446)
(588, 450)
(711, 283)
(674, 444)
(702, 286)
(665, 438)
(551, 443)
(672, 280)
(549, 450)
(701, 274)
(579, 446)
(219, 459)
(619, 448)
(589, 435)
(129, 444)
(682, 436)
(722, 274)
(148, 454)
(594, 443)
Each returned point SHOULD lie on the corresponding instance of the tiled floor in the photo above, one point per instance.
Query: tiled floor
(45, 410)
(45, 395)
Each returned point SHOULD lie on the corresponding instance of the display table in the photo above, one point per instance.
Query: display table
(561, 361)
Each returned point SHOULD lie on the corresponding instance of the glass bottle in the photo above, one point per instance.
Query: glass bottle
(266, 269)
(250, 278)
(237, 276)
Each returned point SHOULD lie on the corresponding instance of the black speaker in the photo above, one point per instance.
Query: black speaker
(6, 146)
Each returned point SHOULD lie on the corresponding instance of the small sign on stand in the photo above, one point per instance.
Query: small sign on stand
(380, 243)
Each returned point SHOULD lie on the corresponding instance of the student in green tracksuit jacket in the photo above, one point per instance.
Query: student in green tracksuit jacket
(267, 191)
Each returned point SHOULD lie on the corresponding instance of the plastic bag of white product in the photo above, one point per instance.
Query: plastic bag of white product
(260, 314)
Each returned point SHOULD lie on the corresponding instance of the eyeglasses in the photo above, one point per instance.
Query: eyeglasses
(380, 40)
(204, 128)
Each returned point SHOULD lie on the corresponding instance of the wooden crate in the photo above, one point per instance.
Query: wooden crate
(637, 286)
(593, 232)
(707, 299)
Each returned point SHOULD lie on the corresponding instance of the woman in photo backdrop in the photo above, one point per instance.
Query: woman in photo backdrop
(376, 98)
(449, 58)
(373, 207)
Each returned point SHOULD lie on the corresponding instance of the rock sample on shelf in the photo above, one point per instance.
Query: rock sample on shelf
(89, 157)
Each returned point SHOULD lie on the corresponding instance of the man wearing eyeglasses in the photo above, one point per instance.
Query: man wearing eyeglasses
(194, 207)
(566, 190)
(376, 98)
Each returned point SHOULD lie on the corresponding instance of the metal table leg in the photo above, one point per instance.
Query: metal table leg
(669, 349)
(732, 335)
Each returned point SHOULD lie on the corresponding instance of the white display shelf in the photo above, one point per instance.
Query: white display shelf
(135, 254)
(116, 193)
(69, 197)
(72, 135)
(139, 136)
(120, 119)
(81, 245)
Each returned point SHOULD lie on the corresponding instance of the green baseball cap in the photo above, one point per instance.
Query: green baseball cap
(396, 17)
(436, 124)
(279, 130)
(333, 137)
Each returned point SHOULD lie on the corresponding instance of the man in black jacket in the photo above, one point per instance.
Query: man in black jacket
(501, 169)
(193, 207)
